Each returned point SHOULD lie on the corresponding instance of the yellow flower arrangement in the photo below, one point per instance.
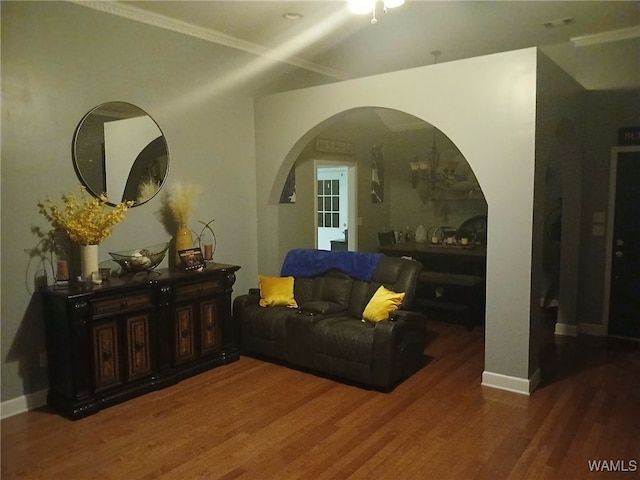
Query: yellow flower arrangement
(85, 219)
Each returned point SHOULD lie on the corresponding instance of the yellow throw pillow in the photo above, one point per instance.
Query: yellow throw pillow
(276, 291)
(383, 302)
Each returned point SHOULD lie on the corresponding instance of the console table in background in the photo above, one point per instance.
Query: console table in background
(134, 334)
(453, 277)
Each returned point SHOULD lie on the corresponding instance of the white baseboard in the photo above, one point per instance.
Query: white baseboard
(17, 405)
(568, 329)
(523, 386)
(592, 329)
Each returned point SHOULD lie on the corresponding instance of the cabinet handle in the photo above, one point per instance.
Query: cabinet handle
(124, 304)
(106, 355)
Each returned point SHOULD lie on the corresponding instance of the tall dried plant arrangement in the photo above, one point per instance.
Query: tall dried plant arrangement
(180, 201)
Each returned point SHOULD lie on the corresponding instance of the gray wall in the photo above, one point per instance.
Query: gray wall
(59, 60)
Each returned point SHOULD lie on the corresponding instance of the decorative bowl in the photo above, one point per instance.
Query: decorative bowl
(141, 259)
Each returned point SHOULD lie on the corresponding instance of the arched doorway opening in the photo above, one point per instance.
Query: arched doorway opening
(419, 177)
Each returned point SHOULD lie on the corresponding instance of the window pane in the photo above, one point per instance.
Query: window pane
(320, 187)
(336, 204)
(336, 220)
(320, 203)
(327, 220)
(320, 218)
(327, 187)
(335, 187)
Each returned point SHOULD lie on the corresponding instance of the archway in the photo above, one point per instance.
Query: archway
(424, 177)
(487, 107)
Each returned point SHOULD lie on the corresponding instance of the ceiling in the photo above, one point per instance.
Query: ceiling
(599, 46)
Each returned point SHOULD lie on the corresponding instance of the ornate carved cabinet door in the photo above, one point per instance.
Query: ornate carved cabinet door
(210, 327)
(106, 357)
(138, 347)
(184, 344)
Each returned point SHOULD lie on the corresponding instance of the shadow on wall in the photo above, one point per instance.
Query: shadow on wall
(27, 344)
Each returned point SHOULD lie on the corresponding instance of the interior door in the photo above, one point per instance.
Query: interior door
(624, 297)
(332, 205)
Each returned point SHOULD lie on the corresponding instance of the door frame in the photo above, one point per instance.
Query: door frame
(613, 178)
(352, 198)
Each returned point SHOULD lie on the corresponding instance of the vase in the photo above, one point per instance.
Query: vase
(88, 260)
(183, 239)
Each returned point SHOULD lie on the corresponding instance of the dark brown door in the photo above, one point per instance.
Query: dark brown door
(624, 306)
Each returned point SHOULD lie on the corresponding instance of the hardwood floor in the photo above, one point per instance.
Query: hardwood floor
(256, 420)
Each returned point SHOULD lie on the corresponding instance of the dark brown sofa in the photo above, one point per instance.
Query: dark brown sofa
(326, 333)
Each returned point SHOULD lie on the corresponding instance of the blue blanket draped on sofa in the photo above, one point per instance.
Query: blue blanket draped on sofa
(303, 262)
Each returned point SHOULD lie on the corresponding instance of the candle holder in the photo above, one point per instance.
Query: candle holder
(207, 241)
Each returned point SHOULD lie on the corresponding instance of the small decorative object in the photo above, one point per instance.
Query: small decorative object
(180, 201)
(105, 274)
(207, 241)
(192, 259)
(88, 221)
(421, 234)
(142, 259)
(62, 271)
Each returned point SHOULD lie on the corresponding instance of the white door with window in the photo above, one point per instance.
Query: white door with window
(332, 205)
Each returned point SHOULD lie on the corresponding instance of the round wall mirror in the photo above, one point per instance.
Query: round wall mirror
(119, 150)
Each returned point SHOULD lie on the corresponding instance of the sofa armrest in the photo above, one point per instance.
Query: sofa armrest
(407, 316)
(254, 292)
(398, 347)
(240, 304)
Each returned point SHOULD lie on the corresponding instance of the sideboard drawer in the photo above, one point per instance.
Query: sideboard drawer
(122, 304)
(187, 292)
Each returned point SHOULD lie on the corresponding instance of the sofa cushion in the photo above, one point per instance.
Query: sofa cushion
(336, 288)
(321, 307)
(383, 302)
(276, 291)
(343, 337)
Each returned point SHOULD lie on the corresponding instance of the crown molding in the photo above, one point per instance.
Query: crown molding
(162, 21)
(606, 37)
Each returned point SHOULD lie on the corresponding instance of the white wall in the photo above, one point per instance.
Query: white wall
(486, 106)
(59, 60)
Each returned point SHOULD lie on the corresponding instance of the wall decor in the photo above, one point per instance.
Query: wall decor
(377, 174)
(629, 136)
(288, 194)
(334, 146)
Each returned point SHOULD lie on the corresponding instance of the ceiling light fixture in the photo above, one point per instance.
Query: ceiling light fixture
(363, 7)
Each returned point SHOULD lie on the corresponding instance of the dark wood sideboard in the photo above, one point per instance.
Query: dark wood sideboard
(453, 276)
(109, 343)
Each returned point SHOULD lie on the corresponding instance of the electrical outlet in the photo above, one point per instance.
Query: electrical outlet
(43, 359)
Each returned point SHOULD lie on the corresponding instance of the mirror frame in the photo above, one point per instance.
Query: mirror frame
(86, 133)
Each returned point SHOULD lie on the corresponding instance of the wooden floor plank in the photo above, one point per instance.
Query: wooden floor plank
(257, 420)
